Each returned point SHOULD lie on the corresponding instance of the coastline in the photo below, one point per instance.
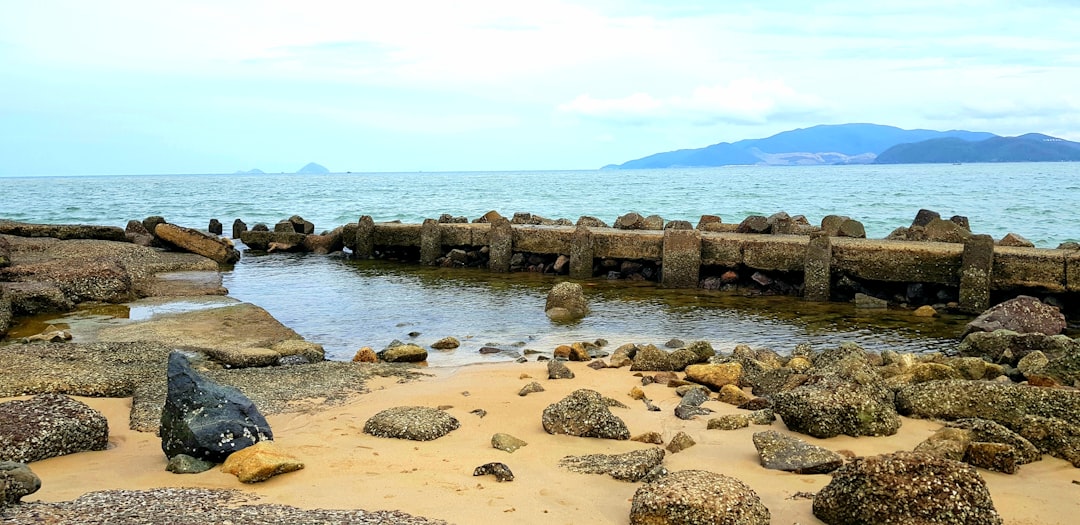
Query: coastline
(345, 468)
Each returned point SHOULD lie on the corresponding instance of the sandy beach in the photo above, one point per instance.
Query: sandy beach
(347, 469)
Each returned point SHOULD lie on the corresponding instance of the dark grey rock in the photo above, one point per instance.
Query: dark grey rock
(185, 464)
(16, 481)
(47, 426)
(584, 413)
(791, 454)
(499, 470)
(205, 419)
(697, 497)
(411, 422)
(984, 430)
(827, 405)
(905, 488)
(1008, 347)
(558, 370)
(630, 466)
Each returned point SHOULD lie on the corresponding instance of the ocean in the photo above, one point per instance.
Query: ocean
(347, 304)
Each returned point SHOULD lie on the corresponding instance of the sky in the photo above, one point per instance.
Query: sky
(137, 87)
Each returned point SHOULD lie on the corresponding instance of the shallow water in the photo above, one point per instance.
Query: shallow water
(346, 304)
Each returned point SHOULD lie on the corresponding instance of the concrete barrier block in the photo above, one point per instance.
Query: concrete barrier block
(458, 234)
(397, 234)
(581, 253)
(817, 280)
(775, 252)
(681, 258)
(502, 245)
(628, 244)
(430, 241)
(976, 267)
(722, 249)
(898, 261)
(1015, 267)
(543, 239)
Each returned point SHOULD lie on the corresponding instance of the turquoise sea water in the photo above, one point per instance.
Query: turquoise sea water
(347, 304)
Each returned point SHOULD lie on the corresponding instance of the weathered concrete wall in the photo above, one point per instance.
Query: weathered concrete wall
(898, 261)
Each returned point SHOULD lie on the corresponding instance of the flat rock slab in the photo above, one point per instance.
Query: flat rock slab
(47, 426)
(630, 466)
(791, 454)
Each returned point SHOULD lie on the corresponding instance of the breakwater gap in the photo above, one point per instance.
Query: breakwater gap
(934, 262)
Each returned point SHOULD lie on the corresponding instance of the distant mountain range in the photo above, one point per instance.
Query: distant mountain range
(865, 144)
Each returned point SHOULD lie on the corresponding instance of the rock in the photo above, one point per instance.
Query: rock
(446, 343)
(299, 225)
(655, 222)
(136, 233)
(1022, 314)
(649, 358)
(47, 426)
(365, 355)
(1004, 403)
(506, 442)
(905, 488)
(558, 370)
(1017, 240)
(533, 387)
(791, 454)
(1058, 437)
(925, 311)
(1033, 363)
(403, 354)
(566, 301)
(869, 302)
(238, 228)
(947, 443)
(204, 419)
(584, 413)
(631, 466)
(649, 437)
(6, 314)
(62, 231)
(16, 481)
(1007, 346)
(411, 422)
(591, 222)
(697, 497)
(260, 462)
(630, 221)
(728, 422)
(827, 405)
(243, 357)
(214, 227)
(715, 376)
(754, 224)
(998, 457)
(185, 464)
(330, 242)
(197, 242)
(680, 442)
(499, 470)
(764, 416)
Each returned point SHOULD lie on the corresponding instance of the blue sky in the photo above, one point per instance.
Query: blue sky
(125, 87)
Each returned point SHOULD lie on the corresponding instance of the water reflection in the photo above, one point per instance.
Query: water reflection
(347, 304)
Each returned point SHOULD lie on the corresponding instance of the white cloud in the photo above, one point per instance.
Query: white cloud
(741, 101)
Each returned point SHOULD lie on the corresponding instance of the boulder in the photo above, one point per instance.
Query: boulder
(205, 419)
(1058, 437)
(654, 222)
(47, 426)
(558, 370)
(136, 233)
(5, 252)
(260, 462)
(263, 241)
(940, 230)
(411, 422)
(1008, 347)
(715, 376)
(16, 481)
(506, 442)
(680, 442)
(6, 314)
(301, 226)
(788, 453)
(365, 355)
(728, 422)
(631, 466)
(584, 413)
(1016, 240)
(185, 464)
(828, 405)
(590, 222)
(1022, 314)
(403, 354)
(630, 221)
(566, 301)
(754, 224)
(923, 217)
(649, 358)
(197, 242)
(1004, 403)
(691, 497)
(905, 488)
(238, 228)
(214, 227)
(446, 343)
(330, 242)
(63, 231)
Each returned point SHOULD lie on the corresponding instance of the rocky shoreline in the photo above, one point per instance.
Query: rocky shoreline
(1005, 402)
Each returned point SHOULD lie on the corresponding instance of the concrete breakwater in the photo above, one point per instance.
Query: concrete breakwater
(819, 264)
